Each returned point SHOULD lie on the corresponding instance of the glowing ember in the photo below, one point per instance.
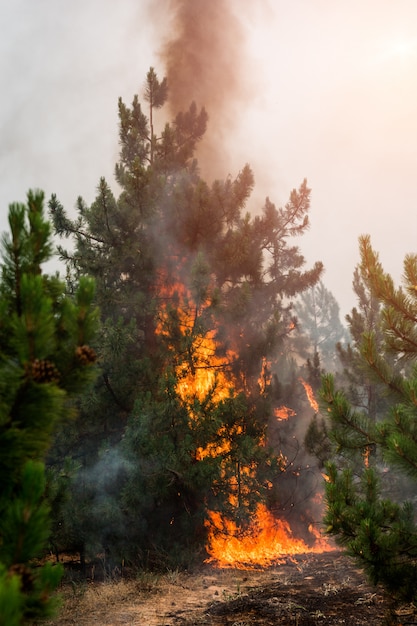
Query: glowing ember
(262, 545)
(366, 455)
(264, 380)
(284, 412)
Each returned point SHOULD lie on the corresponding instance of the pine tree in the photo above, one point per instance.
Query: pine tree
(363, 391)
(188, 285)
(374, 522)
(319, 325)
(46, 356)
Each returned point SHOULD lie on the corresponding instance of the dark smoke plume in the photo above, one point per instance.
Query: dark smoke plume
(204, 61)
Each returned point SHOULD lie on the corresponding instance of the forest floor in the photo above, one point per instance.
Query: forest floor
(305, 590)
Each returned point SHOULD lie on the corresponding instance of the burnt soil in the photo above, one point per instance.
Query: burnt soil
(305, 590)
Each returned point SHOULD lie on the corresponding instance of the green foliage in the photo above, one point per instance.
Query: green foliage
(156, 92)
(319, 325)
(44, 357)
(317, 441)
(379, 533)
(24, 526)
(375, 451)
(11, 609)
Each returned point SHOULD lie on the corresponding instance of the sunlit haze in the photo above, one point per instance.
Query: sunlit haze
(317, 89)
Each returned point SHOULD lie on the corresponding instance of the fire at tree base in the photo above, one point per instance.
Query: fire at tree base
(267, 541)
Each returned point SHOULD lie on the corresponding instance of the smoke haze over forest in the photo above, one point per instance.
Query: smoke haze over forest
(319, 90)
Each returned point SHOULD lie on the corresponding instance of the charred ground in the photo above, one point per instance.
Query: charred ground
(305, 590)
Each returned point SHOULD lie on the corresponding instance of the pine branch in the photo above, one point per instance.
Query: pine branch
(113, 394)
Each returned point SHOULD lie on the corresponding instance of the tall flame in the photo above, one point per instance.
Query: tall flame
(200, 371)
(310, 395)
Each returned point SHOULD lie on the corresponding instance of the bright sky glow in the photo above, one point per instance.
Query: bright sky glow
(405, 49)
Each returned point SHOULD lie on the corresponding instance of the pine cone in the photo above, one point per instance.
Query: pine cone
(85, 355)
(42, 371)
(25, 574)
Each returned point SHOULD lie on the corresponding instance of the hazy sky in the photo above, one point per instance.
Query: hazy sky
(332, 98)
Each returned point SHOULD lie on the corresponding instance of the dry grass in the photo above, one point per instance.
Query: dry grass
(309, 589)
(148, 599)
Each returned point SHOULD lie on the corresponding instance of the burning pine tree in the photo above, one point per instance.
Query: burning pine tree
(195, 295)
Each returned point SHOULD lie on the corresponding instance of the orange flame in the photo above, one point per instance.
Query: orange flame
(207, 375)
(200, 371)
(366, 455)
(284, 412)
(310, 395)
(264, 380)
(222, 446)
(263, 544)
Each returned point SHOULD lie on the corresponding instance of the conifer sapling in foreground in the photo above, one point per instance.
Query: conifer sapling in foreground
(45, 356)
(370, 505)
